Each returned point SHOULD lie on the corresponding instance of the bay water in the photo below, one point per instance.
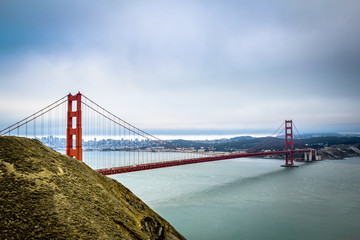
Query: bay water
(252, 198)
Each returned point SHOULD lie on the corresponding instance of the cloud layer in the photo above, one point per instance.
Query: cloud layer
(187, 64)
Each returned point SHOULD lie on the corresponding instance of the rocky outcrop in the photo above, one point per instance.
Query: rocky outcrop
(339, 151)
(47, 195)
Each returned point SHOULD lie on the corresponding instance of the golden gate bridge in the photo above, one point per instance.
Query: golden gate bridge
(76, 124)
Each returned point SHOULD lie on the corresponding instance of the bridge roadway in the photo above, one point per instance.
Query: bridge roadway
(147, 166)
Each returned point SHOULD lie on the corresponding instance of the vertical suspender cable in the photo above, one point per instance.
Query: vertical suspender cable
(97, 142)
(34, 128)
(137, 148)
(42, 126)
(50, 127)
(118, 160)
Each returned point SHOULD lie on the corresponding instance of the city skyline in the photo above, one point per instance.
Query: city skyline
(187, 68)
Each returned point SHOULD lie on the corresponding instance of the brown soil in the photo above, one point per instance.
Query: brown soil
(47, 195)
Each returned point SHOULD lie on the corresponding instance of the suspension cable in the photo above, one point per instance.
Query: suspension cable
(31, 116)
(130, 125)
(301, 138)
(132, 128)
(268, 139)
(11, 129)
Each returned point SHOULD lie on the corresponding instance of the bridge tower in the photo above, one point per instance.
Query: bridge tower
(289, 144)
(72, 131)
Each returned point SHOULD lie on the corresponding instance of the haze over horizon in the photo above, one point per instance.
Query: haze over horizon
(187, 67)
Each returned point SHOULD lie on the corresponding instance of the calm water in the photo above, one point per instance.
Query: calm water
(255, 199)
(109, 159)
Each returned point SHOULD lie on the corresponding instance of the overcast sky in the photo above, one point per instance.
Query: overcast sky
(187, 67)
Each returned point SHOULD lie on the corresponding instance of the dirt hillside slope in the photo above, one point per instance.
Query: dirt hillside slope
(47, 195)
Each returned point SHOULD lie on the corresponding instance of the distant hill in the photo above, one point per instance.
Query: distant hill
(240, 143)
(240, 138)
(47, 195)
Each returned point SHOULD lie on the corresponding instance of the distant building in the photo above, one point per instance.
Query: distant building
(202, 149)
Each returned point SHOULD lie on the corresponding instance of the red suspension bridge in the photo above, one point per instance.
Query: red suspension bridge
(82, 129)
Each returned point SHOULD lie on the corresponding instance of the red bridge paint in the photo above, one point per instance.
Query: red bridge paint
(77, 131)
(141, 167)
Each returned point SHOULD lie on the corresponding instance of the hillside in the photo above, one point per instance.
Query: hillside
(329, 147)
(340, 151)
(47, 195)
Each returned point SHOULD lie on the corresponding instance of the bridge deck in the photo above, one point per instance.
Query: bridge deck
(142, 167)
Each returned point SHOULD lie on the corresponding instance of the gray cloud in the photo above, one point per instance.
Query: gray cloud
(187, 64)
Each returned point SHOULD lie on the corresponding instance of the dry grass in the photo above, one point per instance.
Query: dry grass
(47, 195)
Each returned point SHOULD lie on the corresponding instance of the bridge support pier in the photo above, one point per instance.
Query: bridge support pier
(311, 156)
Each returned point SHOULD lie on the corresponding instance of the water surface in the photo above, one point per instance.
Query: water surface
(255, 199)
